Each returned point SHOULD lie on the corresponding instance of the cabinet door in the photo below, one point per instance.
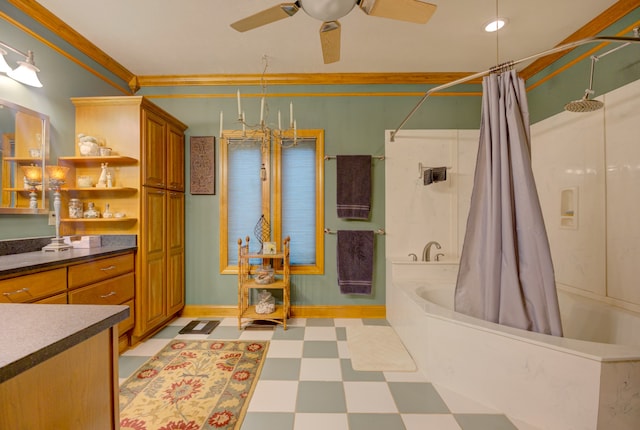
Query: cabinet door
(175, 158)
(151, 297)
(154, 149)
(175, 248)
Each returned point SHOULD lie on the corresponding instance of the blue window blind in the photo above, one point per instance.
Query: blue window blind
(299, 200)
(244, 195)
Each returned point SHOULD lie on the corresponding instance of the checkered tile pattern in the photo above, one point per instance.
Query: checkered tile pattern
(308, 383)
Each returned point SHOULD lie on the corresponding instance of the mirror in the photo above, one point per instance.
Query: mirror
(24, 143)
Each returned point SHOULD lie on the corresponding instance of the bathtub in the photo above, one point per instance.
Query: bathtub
(546, 381)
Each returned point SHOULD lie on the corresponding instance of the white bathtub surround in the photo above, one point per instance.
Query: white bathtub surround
(597, 155)
(417, 214)
(549, 382)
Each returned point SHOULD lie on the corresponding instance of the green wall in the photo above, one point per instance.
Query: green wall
(354, 123)
(354, 118)
(61, 78)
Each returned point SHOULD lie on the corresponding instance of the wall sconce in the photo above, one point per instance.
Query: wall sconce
(57, 176)
(33, 178)
(26, 72)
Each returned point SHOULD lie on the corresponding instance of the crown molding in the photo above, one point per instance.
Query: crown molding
(65, 32)
(60, 28)
(592, 28)
(300, 79)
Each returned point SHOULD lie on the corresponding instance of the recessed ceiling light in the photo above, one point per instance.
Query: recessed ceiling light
(495, 25)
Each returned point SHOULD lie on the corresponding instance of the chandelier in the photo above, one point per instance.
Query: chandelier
(263, 129)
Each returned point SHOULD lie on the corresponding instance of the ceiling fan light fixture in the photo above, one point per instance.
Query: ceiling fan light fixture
(495, 25)
(327, 10)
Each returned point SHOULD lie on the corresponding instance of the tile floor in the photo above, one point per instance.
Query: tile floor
(307, 383)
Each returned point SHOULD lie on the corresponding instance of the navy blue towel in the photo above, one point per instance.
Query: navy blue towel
(353, 188)
(355, 261)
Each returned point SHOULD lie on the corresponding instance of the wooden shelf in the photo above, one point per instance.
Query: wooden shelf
(100, 189)
(246, 310)
(113, 160)
(97, 220)
(277, 255)
(21, 190)
(277, 314)
(278, 284)
(24, 160)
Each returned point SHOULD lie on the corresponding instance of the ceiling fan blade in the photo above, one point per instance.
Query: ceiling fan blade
(267, 16)
(415, 11)
(330, 40)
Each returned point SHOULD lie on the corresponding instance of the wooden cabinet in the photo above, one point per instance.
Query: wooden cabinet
(106, 281)
(103, 281)
(176, 252)
(138, 129)
(280, 263)
(122, 197)
(73, 383)
(35, 287)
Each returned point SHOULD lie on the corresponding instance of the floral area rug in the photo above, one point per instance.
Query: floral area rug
(193, 385)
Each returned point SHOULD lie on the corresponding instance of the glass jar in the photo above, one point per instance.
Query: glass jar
(91, 211)
(75, 208)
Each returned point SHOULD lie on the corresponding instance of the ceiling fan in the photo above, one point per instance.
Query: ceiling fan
(329, 11)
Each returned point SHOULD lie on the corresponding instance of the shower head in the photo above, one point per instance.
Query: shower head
(584, 104)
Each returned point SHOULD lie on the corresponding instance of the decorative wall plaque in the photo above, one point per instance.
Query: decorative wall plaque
(203, 164)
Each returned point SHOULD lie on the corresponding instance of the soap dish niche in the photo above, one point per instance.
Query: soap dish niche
(569, 208)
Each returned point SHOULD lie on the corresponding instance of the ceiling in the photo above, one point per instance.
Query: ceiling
(187, 37)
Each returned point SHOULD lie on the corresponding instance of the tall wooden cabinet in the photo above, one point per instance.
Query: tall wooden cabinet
(136, 128)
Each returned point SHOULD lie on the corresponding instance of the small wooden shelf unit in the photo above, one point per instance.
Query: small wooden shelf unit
(280, 262)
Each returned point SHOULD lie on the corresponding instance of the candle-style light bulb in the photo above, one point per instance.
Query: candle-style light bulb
(220, 125)
(262, 111)
(239, 106)
(291, 115)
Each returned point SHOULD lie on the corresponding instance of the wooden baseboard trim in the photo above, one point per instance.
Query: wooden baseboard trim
(369, 311)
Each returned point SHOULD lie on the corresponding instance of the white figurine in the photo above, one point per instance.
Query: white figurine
(102, 181)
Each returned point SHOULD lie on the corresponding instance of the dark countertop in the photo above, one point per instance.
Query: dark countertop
(33, 333)
(37, 260)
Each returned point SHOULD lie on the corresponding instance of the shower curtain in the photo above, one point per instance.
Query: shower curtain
(506, 273)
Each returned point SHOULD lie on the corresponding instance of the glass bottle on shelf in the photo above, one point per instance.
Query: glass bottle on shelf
(91, 211)
(75, 208)
(107, 212)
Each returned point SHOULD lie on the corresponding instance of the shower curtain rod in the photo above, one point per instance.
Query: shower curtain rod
(510, 64)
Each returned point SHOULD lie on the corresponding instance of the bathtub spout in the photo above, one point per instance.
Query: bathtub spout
(426, 252)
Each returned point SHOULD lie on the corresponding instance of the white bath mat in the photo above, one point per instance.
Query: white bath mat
(378, 348)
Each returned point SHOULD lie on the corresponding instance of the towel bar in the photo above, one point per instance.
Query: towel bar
(329, 231)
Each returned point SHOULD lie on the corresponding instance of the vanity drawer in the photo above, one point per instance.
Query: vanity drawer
(98, 270)
(30, 288)
(110, 292)
(58, 299)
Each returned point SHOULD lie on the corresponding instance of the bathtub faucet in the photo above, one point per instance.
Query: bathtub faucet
(426, 252)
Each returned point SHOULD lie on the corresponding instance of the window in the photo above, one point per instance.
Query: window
(295, 188)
